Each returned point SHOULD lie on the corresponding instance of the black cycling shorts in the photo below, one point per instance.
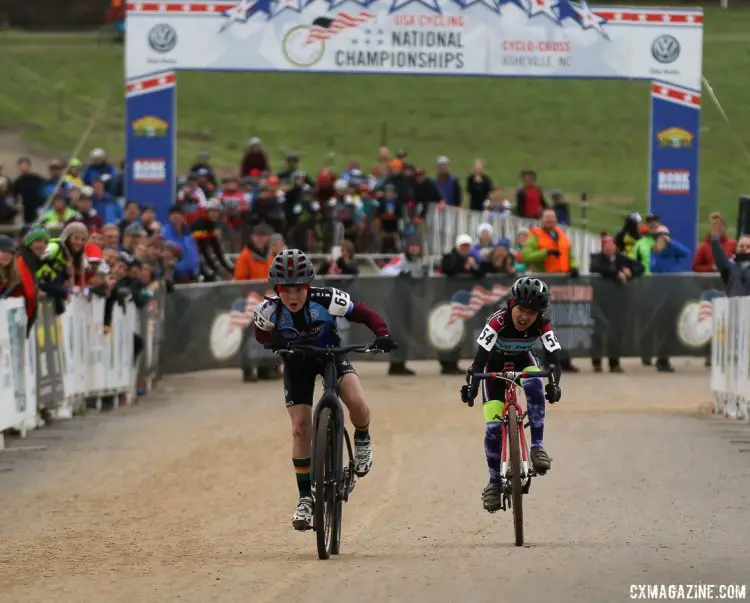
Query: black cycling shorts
(300, 373)
(495, 389)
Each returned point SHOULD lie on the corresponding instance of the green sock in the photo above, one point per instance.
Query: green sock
(302, 469)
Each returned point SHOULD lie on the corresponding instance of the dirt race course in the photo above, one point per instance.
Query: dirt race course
(188, 497)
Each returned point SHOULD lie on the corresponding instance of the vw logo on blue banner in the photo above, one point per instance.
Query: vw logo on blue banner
(162, 38)
(665, 49)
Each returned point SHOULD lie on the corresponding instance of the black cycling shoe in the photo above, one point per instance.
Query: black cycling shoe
(540, 459)
(492, 497)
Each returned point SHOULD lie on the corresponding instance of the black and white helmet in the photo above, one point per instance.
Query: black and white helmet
(291, 267)
(532, 293)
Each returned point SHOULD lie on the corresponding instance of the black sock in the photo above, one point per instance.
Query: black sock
(302, 469)
(362, 435)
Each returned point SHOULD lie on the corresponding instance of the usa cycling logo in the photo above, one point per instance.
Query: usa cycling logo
(445, 324)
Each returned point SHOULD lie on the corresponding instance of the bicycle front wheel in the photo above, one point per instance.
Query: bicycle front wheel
(514, 425)
(325, 483)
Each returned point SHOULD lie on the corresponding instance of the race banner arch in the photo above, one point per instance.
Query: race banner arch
(483, 38)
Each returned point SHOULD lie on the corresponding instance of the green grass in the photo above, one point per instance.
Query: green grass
(578, 134)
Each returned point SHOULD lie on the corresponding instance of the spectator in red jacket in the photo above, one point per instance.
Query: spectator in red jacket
(16, 278)
(704, 258)
(530, 201)
(255, 158)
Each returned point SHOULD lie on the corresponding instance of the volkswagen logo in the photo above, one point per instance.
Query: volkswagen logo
(665, 49)
(162, 38)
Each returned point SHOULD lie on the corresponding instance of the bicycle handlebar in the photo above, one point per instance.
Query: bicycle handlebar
(312, 350)
(515, 376)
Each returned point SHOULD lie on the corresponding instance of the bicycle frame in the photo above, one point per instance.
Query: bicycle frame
(511, 398)
(330, 399)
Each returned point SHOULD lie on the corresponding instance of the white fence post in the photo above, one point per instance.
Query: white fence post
(730, 355)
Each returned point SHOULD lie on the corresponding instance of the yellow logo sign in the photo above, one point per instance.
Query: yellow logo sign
(675, 138)
(150, 126)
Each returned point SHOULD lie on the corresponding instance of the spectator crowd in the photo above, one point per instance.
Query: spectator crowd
(80, 235)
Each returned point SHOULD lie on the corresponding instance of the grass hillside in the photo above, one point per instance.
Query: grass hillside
(578, 134)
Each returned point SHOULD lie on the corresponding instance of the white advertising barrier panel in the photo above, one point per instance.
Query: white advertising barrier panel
(540, 38)
(93, 363)
(17, 404)
(730, 369)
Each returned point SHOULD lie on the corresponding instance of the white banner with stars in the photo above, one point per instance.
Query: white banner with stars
(514, 38)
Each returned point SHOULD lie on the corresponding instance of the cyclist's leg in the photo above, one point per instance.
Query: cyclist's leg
(493, 402)
(299, 383)
(493, 396)
(353, 397)
(535, 406)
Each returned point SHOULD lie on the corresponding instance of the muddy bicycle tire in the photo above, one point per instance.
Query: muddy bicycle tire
(325, 484)
(514, 445)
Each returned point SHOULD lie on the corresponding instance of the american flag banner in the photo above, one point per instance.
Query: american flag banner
(705, 310)
(705, 306)
(324, 28)
(241, 316)
(465, 304)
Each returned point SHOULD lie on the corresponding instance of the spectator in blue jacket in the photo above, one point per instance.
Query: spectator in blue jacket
(99, 169)
(447, 183)
(177, 232)
(105, 204)
(666, 253)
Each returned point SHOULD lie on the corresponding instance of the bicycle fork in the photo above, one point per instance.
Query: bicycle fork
(527, 471)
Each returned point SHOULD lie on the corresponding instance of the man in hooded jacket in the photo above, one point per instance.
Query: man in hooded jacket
(628, 236)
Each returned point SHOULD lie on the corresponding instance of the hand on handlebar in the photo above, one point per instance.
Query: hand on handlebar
(470, 390)
(278, 344)
(553, 393)
(384, 343)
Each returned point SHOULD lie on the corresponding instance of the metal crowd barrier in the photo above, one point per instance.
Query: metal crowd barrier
(444, 225)
(68, 364)
(730, 356)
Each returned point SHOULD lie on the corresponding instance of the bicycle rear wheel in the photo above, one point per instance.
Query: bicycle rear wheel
(325, 483)
(514, 425)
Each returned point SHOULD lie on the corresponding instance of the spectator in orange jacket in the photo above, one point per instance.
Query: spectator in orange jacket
(254, 261)
(704, 258)
(16, 278)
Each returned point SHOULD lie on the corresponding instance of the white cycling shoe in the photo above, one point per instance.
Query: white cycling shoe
(303, 515)
(362, 457)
